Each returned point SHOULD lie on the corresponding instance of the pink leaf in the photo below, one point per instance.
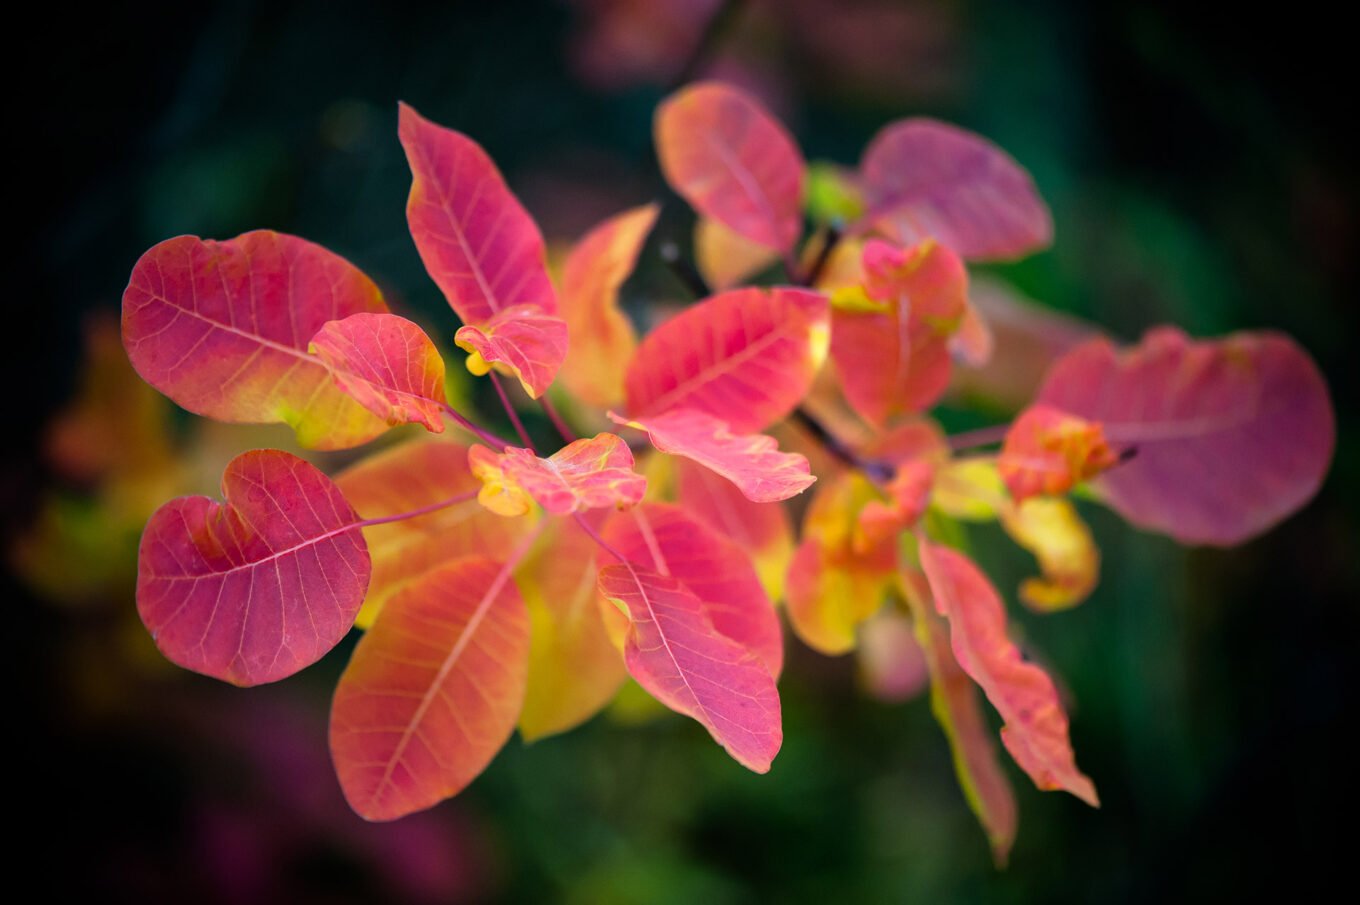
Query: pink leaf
(675, 653)
(255, 588)
(752, 462)
(479, 245)
(925, 179)
(388, 364)
(432, 691)
(746, 357)
(522, 338)
(1232, 435)
(669, 541)
(732, 161)
(222, 329)
(584, 474)
(1036, 730)
(1048, 451)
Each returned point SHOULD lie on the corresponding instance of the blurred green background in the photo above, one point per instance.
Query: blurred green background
(1200, 170)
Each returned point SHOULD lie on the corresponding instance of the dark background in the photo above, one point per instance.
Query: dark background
(1200, 169)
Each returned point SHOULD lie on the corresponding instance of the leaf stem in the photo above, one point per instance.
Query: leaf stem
(478, 432)
(512, 414)
(416, 513)
(706, 42)
(563, 430)
(600, 541)
(983, 436)
(875, 470)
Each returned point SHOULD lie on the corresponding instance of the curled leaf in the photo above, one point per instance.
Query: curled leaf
(752, 462)
(388, 364)
(1036, 728)
(524, 339)
(585, 474)
(1048, 451)
(1068, 557)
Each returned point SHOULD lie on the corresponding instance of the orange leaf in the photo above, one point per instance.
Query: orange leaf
(1048, 451)
(726, 258)
(584, 474)
(838, 577)
(732, 161)
(752, 462)
(432, 691)
(896, 361)
(388, 364)
(1068, 557)
(574, 668)
(409, 477)
(524, 339)
(1036, 729)
(602, 338)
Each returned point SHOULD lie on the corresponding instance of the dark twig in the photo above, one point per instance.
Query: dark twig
(833, 237)
(684, 270)
(875, 470)
(707, 43)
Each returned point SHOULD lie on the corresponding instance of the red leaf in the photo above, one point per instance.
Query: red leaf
(388, 364)
(432, 691)
(763, 530)
(1036, 726)
(746, 357)
(255, 588)
(479, 245)
(954, 701)
(528, 342)
(669, 541)
(1232, 435)
(584, 474)
(410, 477)
(602, 338)
(732, 161)
(222, 329)
(574, 668)
(1048, 451)
(926, 179)
(908, 497)
(752, 462)
(675, 653)
(896, 361)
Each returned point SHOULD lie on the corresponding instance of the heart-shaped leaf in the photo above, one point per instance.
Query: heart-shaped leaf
(255, 588)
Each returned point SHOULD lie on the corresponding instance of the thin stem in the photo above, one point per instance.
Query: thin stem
(416, 513)
(563, 430)
(684, 270)
(833, 238)
(983, 436)
(478, 432)
(875, 470)
(708, 40)
(603, 544)
(513, 415)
